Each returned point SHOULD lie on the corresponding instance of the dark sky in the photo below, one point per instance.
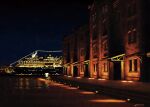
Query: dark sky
(27, 25)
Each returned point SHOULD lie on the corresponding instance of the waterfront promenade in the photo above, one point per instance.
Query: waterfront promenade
(138, 92)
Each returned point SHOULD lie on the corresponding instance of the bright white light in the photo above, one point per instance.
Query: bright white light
(34, 54)
(128, 99)
(96, 92)
(46, 75)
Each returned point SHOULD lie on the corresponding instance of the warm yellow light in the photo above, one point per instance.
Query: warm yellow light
(87, 93)
(41, 79)
(127, 81)
(55, 84)
(71, 88)
(69, 76)
(108, 101)
(78, 77)
(130, 81)
(90, 78)
(124, 81)
(101, 79)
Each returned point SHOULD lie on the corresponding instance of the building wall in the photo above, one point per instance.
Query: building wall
(78, 52)
(116, 41)
(132, 37)
(83, 46)
(66, 55)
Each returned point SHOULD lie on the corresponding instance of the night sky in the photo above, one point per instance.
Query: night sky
(27, 25)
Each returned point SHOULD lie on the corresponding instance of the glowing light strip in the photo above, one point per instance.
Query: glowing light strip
(108, 101)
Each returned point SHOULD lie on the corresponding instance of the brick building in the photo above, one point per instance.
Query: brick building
(118, 43)
(76, 53)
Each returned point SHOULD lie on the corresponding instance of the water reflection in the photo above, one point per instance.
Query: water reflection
(25, 83)
(39, 85)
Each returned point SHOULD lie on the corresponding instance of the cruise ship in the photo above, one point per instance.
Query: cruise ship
(39, 65)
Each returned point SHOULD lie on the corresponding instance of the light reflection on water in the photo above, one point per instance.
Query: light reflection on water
(26, 83)
(39, 85)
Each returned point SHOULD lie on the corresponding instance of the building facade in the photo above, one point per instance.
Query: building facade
(76, 53)
(116, 41)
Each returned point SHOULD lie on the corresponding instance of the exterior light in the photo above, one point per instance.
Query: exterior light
(96, 92)
(127, 81)
(90, 78)
(130, 81)
(128, 99)
(108, 101)
(101, 79)
(86, 93)
(69, 76)
(124, 81)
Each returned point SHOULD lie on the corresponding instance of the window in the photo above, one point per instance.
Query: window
(95, 67)
(94, 18)
(104, 29)
(82, 52)
(105, 9)
(95, 49)
(105, 67)
(130, 65)
(135, 65)
(131, 8)
(132, 36)
(129, 37)
(95, 34)
(105, 45)
(82, 68)
(131, 24)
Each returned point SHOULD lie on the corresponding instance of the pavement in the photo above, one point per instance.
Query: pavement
(138, 92)
(40, 92)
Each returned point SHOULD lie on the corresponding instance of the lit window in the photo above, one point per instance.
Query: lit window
(95, 67)
(82, 68)
(105, 67)
(135, 65)
(130, 65)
